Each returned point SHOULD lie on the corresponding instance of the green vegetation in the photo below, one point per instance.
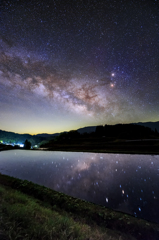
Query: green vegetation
(47, 214)
(23, 217)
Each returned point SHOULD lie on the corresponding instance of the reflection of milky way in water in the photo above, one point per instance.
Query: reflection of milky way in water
(123, 182)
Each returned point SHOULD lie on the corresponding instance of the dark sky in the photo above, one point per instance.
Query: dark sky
(70, 64)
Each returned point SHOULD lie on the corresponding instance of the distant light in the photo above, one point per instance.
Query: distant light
(21, 145)
(113, 74)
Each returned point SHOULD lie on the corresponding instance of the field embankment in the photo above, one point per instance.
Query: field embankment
(149, 146)
(30, 211)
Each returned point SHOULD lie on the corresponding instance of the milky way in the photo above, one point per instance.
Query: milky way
(68, 64)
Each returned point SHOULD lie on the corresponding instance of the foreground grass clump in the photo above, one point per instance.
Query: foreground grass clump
(23, 217)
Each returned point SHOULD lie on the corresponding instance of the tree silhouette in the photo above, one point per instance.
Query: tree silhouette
(27, 144)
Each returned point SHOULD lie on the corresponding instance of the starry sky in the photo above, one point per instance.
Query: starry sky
(76, 63)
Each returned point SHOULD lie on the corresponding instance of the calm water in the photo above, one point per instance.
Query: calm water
(125, 182)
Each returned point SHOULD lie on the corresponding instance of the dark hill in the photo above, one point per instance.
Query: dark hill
(11, 137)
(87, 129)
(46, 135)
(151, 125)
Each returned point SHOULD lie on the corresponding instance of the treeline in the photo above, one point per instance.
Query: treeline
(106, 132)
(121, 131)
(125, 131)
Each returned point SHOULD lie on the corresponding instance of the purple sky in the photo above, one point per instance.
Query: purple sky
(70, 64)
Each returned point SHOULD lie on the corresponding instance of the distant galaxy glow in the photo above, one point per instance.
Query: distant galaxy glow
(70, 64)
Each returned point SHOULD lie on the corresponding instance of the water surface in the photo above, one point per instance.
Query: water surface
(124, 182)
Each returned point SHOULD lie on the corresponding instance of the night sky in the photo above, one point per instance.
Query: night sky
(70, 64)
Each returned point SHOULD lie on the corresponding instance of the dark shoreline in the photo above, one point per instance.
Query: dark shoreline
(99, 145)
(101, 151)
(62, 149)
(103, 145)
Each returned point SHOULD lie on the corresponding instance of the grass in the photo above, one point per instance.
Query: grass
(29, 211)
(23, 217)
